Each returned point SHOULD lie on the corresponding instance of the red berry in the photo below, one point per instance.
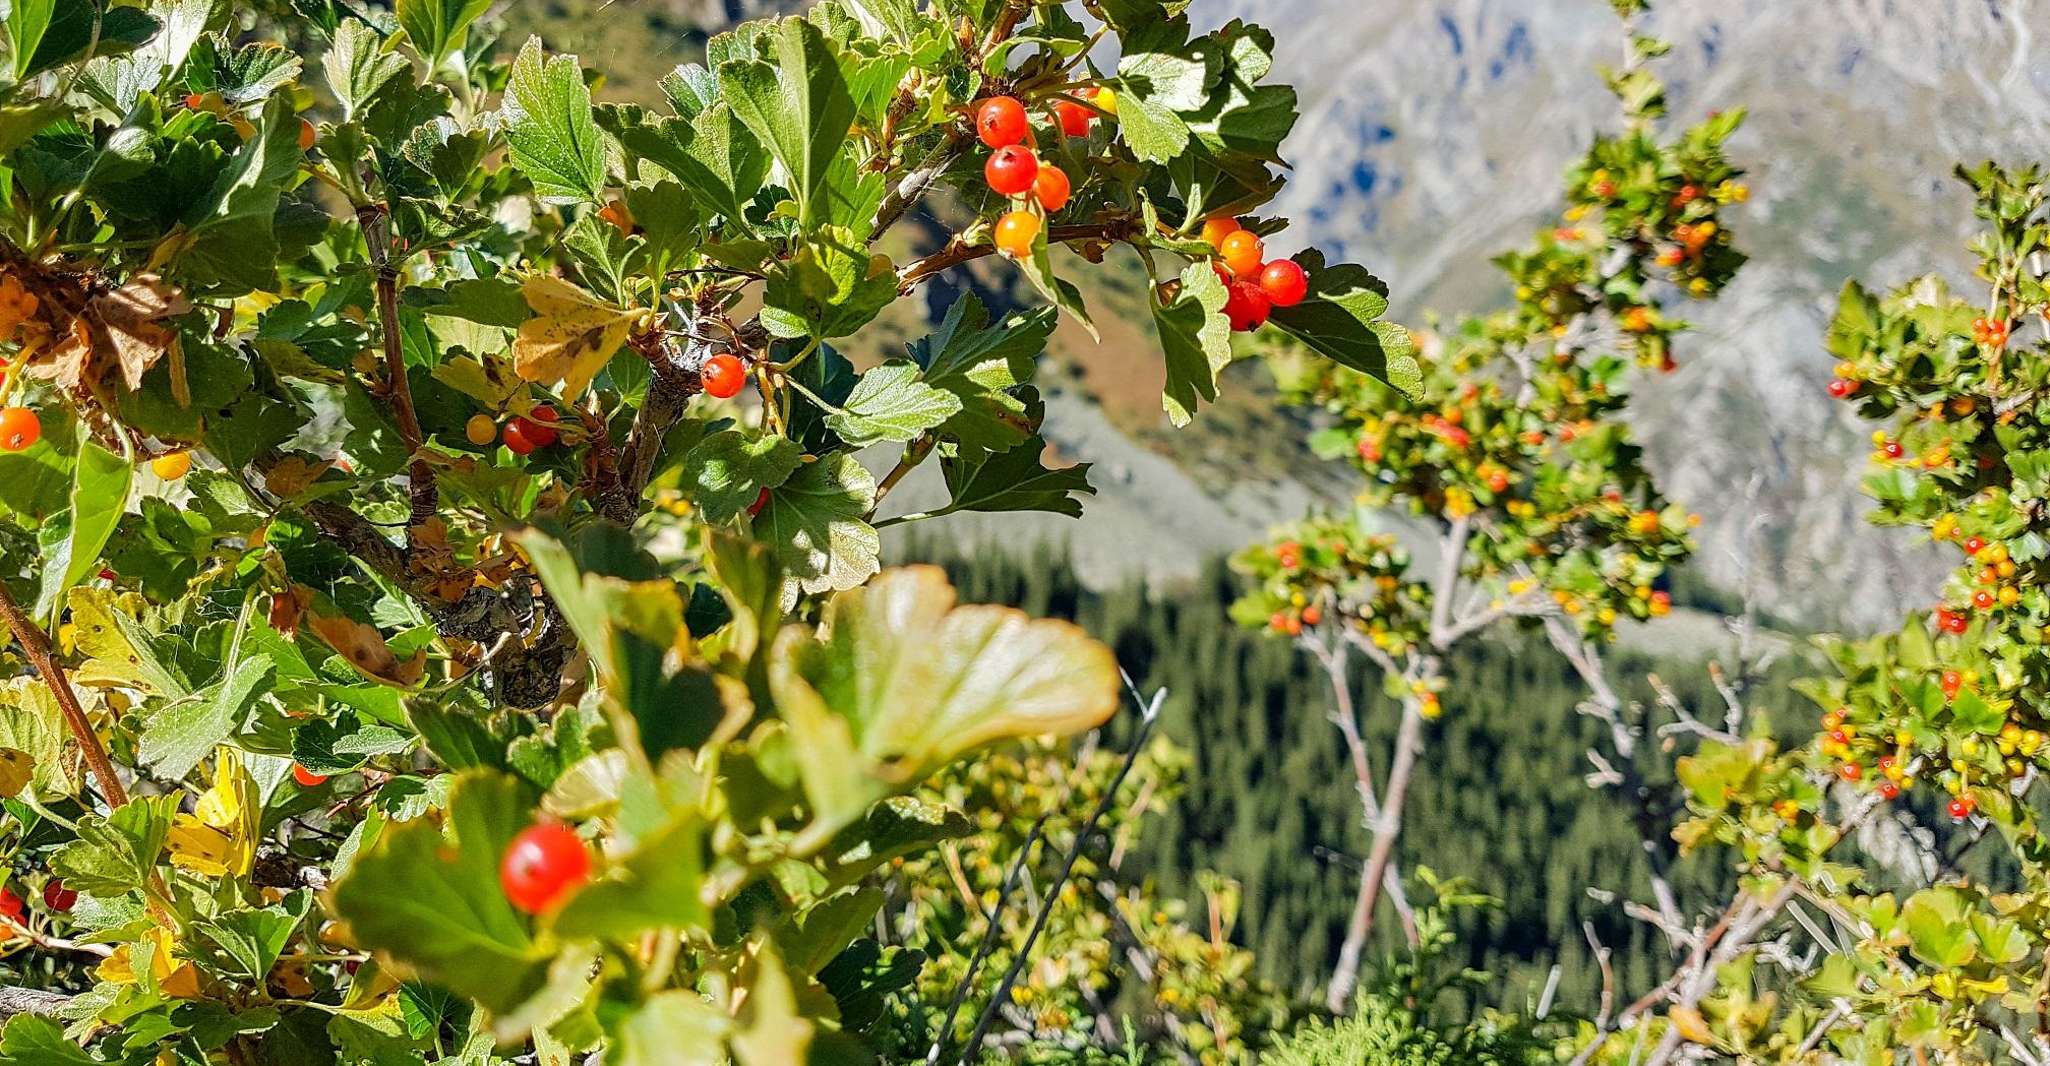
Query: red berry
(539, 427)
(1246, 306)
(1974, 545)
(1312, 615)
(1851, 771)
(1894, 450)
(1839, 736)
(1840, 389)
(516, 438)
(761, 501)
(57, 897)
(284, 614)
(1000, 121)
(1955, 624)
(1052, 188)
(107, 574)
(1011, 170)
(11, 904)
(308, 136)
(307, 778)
(1285, 282)
(723, 376)
(20, 429)
(544, 866)
(1074, 119)
(1952, 681)
(1983, 600)
(1959, 810)
(1889, 790)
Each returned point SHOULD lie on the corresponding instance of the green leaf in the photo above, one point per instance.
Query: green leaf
(816, 522)
(247, 943)
(890, 403)
(114, 855)
(548, 124)
(435, 904)
(33, 1040)
(1015, 480)
(32, 723)
(1935, 923)
(800, 106)
(175, 739)
(436, 27)
(1197, 340)
(654, 888)
(823, 931)
(829, 287)
(344, 745)
(1338, 320)
(905, 681)
(99, 497)
(51, 33)
(724, 162)
(231, 247)
(729, 469)
(984, 367)
(676, 1028)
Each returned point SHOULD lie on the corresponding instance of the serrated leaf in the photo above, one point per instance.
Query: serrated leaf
(548, 124)
(983, 367)
(891, 403)
(435, 903)
(437, 27)
(32, 725)
(1339, 320)
(117, 650)
(654, 887)
(905, 681)
(571, 337)
(343, 745)
(175, 739)
(230, 246)
(829, 287)
(799, 105)
(1016, 480)
(816, 523)
(729, 469)
(1196, 338)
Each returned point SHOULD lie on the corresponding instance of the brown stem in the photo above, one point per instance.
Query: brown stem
(956, 253)
(376, 222)
(37, 645)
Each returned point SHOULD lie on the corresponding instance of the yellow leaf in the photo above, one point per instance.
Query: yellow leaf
(16, 767)
(219, 838)
(1691, 1026)
(490, 381)
(571, 337)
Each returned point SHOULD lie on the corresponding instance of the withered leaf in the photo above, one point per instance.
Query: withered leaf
(571, 337)
(364, 647)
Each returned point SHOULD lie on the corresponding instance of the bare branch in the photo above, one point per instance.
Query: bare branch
(36, 644)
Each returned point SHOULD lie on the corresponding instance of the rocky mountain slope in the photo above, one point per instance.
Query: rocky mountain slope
(1434, 132)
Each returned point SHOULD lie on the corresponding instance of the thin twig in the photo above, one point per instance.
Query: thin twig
(1053, 891)
(37, 645)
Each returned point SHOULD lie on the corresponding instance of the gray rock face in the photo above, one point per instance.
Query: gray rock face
(1434, 133)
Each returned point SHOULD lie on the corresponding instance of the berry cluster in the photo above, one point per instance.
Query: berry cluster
(1015, 170)
(1990, 332)
(1254, 284)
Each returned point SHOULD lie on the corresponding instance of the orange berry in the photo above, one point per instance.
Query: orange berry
(1243, 253)
(1017, 233)
(20, 429)
(1217, 229)
(1051, 188)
